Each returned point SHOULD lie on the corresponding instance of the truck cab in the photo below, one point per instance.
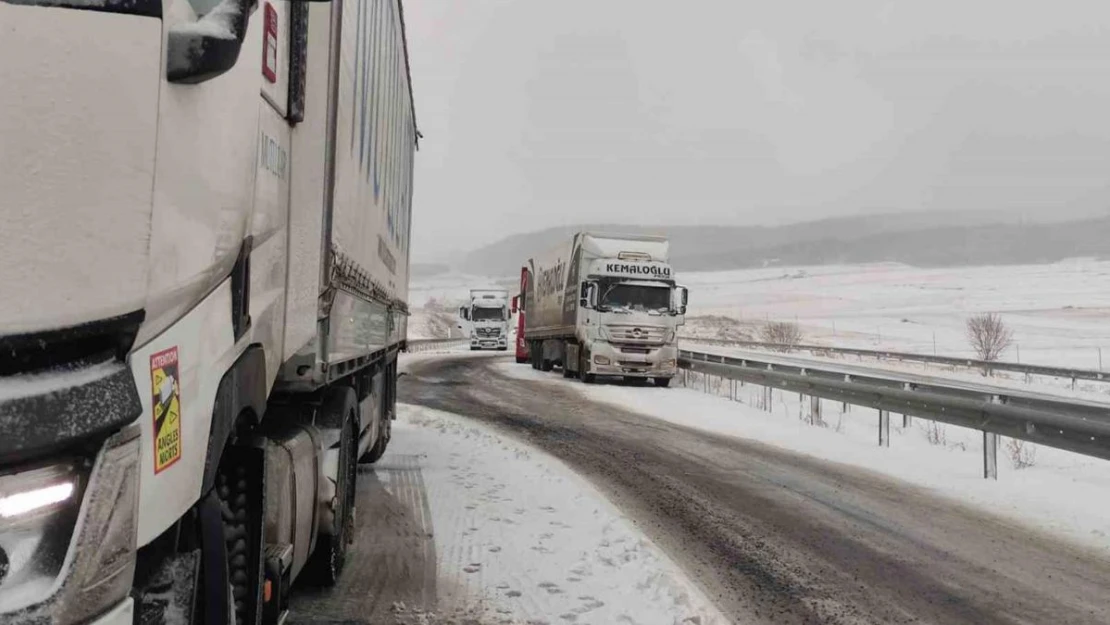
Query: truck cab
(485, 319)
(630, 310)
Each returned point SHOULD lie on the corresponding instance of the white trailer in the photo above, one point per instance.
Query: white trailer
(604, 304)
(485, 319)
(204, 269)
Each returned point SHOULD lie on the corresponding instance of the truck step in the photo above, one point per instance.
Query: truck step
(278, 563)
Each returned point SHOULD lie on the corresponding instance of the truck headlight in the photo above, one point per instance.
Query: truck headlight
(68, 539)
(601, 360)
(38, 511)
(667, 364)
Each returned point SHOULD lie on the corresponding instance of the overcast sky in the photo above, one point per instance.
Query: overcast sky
(539, 113)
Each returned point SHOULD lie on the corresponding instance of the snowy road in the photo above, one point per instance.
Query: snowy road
(775, 536)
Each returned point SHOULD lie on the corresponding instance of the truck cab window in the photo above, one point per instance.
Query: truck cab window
(620, 297)
(488, 314)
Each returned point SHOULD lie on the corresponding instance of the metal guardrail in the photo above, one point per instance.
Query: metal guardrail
(983, 365)
(1074, 425)
(427, 345)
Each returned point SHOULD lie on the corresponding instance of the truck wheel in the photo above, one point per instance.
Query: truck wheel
(520, 360)
(546, 365)
(583, 361)
(662, 382)
(534, 356)
(377, 450)
(567, 373)
(326, 562)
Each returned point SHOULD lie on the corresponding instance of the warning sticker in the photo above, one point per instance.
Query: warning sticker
(166, 393)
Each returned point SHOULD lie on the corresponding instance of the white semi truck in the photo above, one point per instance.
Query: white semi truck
(485, 319)
(203, 282)
(604, 304)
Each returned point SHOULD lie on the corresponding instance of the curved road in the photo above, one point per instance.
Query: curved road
(778, 537)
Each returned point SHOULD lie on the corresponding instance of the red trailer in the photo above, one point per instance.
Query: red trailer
(518, 309)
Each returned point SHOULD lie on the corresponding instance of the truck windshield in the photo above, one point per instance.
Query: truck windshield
(488, 314)
(635, 298)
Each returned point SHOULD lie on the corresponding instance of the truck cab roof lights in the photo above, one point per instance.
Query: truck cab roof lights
(640, 256)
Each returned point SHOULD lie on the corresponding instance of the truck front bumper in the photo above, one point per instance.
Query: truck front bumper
(660, 361)
(485, 343)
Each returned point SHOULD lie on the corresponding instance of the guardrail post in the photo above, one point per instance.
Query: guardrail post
(907, 420)
(814, 409)
(884, 428)
(768, 398)
(990, 456)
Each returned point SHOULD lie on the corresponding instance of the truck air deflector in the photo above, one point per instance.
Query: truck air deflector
(54, 410)
(61, 386)
(143, 8)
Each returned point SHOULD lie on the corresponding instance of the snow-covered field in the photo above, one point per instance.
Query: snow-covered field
(520, 538)
(1062, 493)
(1060, 312)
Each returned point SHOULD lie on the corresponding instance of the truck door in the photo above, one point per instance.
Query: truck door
(281, 64)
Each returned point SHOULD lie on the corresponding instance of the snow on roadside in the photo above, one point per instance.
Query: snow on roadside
(1063, 493)
(520, 538)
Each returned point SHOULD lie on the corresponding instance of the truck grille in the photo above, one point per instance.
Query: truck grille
(636, 334)
(488, 333)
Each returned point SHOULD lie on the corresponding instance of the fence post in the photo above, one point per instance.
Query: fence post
(990, 456)
(884, 428)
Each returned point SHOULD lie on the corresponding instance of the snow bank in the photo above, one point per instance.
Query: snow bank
(1063, 493)
(520, 538)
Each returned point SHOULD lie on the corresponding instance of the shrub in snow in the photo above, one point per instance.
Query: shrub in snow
(785, 335)
(936, 434)
(988, 335)
(1022, 454)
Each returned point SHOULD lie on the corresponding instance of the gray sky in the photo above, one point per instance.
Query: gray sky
(542, 113)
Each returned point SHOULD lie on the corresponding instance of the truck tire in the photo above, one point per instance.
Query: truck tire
(326, 562)
(567, 373)
(377, 450)
(583, 361)
(520, 360)
(662, 382)
(546, 365)
(534, 356)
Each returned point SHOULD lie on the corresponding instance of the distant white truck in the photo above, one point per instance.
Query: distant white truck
(485, 319)
(604, 304)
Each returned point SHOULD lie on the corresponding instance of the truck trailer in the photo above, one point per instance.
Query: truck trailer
(604, 304)
(204, 278)
(485, 319)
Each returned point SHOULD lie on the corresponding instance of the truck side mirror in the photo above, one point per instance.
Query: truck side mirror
(204, 49)
(588, 297)
(681, 298)
(464, 313)
(516, 300)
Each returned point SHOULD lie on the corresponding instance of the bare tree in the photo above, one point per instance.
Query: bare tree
(785, 335)
(988, 335)
(1022, 454)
